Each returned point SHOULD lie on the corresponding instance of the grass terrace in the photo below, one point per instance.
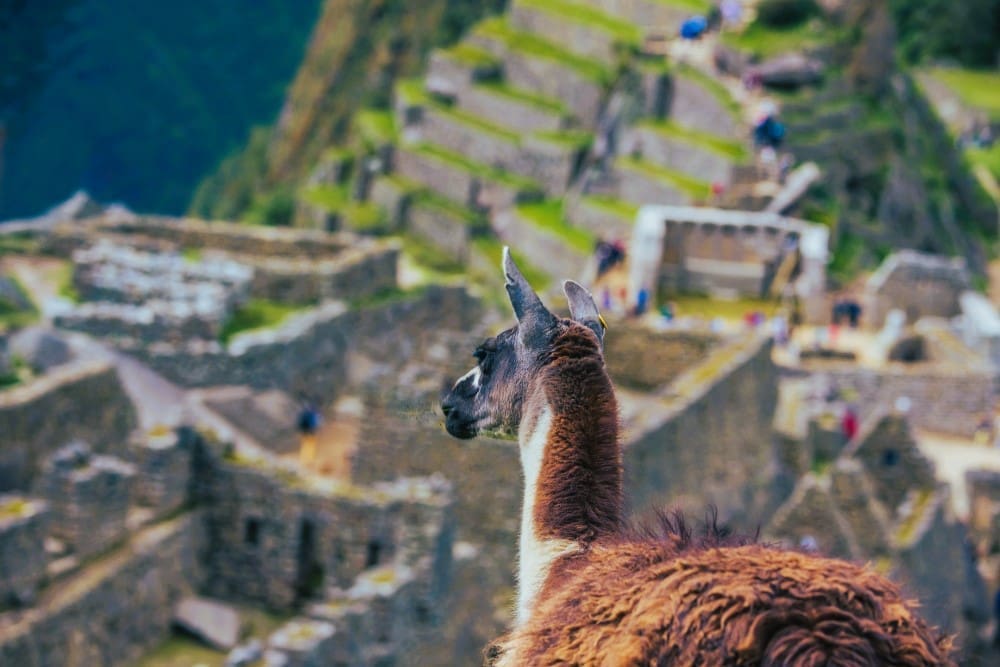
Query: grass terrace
(544, 103)
(686, 184)
(696, 6)
(711, 85)
(412, 92)
(499, 29)
(623, 31)
(471, 55)
(977, 88)
(729, 148)
(578, 139)
(987, 157)
(376, 127)
(441, 203)
(360, 216)
(548, 215)
(621, 209)
(257, 314)
(486, 171)
(764, 41)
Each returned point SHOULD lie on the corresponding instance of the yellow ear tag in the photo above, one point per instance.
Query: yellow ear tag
(600, 318)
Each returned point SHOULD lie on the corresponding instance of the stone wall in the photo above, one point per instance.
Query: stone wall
(240, 238)
(311, 350)
(352, 275)
(443, 128)
(24, 525)
(599, 220)
(445, 178)
(277, 538)
(693, 105)
(709, 439)
(920, 285)
(83, 400)
(646, 360)
(449, 232)
(549, 78)
(89, 497)
(639, 187)
(686, 157)
(583, 39)
(117, 609)
(539, 246)
(943, 399)
(497, 108)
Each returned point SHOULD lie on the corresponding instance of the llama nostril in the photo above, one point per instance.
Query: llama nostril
(446, 409)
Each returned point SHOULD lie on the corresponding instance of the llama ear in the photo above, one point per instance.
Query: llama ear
(583, 309)
(533, 317)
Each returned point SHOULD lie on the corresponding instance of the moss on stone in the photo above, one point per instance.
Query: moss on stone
(623, 31)
(728, 148)
(256, 314)
(532, 45)
(548, 215)
(692, 186)
(544, 103)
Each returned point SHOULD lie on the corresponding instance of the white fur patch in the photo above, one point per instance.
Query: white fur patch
(536, 555)
(475, 374)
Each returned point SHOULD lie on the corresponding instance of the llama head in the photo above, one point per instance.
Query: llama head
(492, 393)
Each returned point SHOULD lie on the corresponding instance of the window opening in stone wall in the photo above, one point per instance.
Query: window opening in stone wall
(251, 532)
(890, 457)
(309, 577)
(372, 556)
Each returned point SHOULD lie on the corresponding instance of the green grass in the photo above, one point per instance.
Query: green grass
(498, 28)
(441, 203)
(697, 6)
(708, 307)
(577, 139)
(988, 157)
(471, 55)
(977, 88)
(375, 126)
(525, 97)
(412, 92)
(191, 254)
(359, 216)
(486, 171)
(765, 41)
(431, 257)
(623, 31)
(729, 148)
(18, 244)
(687, 184)
(622, 209)
(548, 215)
(64, 282)
(477, 122)
(257, 314)
(11, 315)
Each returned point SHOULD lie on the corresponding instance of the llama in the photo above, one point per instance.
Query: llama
(592, 590)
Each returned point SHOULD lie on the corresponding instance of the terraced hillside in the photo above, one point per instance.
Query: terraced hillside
(549, 125)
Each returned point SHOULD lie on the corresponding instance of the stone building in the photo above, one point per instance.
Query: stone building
(919, 284)
(680, 248)
(89, 496)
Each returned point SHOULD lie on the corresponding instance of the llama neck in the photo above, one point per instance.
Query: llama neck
(572, 466)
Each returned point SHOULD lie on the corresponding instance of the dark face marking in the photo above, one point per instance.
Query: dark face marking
(491, 394)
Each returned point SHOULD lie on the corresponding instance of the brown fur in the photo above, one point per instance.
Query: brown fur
(628, 602)
(579, 493)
